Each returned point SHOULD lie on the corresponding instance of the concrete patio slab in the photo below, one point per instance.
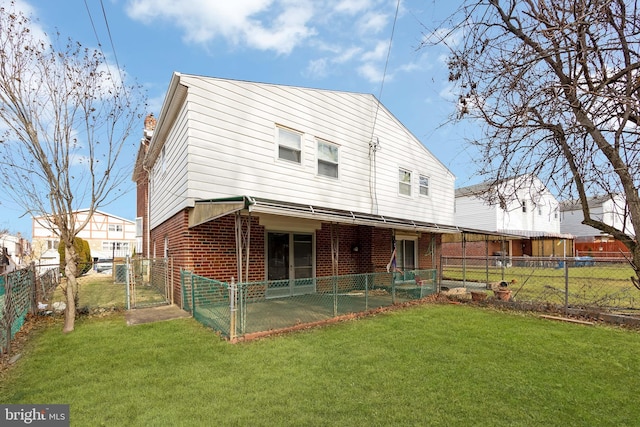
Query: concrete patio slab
(138, 316)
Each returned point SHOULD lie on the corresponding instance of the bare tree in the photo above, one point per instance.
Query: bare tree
(65, 116)
(554, 86)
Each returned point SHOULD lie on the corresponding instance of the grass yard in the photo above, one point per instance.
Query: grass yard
(97, 290)
(448, 365)
(600, 285)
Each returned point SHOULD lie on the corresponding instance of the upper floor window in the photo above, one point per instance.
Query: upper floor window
(524, 206)
(289, 145)
(424, 185)
(115, 227)
(327, 159)
(404, 182)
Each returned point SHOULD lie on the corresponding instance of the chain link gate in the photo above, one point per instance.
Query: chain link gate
(146, 280)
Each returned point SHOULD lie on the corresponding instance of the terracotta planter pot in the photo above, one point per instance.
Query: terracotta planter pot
(478, 296)
(503, 294)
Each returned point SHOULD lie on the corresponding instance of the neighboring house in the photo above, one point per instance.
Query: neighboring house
(108, 236)
(15, 252)
(530, 216)
(256, 181)
(591, 241)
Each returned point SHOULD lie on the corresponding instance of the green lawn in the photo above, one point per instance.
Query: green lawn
(606, 285)
(449, 365)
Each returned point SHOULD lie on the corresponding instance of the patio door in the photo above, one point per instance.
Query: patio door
(290, 264)
(406, 256)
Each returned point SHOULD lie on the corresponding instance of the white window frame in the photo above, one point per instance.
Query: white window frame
(117, 245)
(115, 228)
(402, 183)
(425, 187)
(320, 159)
(291, 148)
(139, 223)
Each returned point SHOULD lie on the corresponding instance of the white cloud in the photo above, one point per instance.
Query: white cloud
(372, 23)
(379, 53)
(347, 55)
(353, 7)
(278, 25)
(372, 73)
(333, 33)
(317, 68)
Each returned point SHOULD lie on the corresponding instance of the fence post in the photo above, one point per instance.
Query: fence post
(127, 284)
(33, 279)
(127, 288)
(193, 296)
(335, 295)
(366, 292)
(232, 309)
(566, 286)
(393, 288)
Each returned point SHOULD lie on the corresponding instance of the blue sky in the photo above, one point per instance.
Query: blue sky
(328, 44)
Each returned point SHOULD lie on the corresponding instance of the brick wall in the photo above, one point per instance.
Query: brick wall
(209, 249)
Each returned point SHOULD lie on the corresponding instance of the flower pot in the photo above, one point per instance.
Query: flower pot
(503, 294)
(478, 296)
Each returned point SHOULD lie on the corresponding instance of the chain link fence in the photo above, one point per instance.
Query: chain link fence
(579, 282)
(22, 292)
(239, 309)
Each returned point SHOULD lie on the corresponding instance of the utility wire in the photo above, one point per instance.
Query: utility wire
(95, 32)
(113, 48)
(384, 73)
(373, 146)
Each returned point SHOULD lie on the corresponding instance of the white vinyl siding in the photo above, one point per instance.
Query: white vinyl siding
(221, 144)
(517, 213)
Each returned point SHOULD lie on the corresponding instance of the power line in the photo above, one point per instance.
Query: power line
(95, 32)
(113, 48)
(384, 73)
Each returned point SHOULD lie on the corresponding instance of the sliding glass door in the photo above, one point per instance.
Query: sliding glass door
(290, 262)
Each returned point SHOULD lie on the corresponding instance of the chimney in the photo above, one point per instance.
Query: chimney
(149, 126)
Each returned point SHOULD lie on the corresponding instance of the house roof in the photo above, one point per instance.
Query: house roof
(593, 202)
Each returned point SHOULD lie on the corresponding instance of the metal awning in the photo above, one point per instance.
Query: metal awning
(207, 210)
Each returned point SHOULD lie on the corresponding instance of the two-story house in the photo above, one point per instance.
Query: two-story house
(109, 237)
(611, 210)
(257, 181)
(520, 207)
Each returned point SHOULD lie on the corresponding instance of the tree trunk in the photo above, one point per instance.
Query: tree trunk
(70, 271)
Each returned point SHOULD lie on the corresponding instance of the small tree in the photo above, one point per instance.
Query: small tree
(65, 115)
(555, 88)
